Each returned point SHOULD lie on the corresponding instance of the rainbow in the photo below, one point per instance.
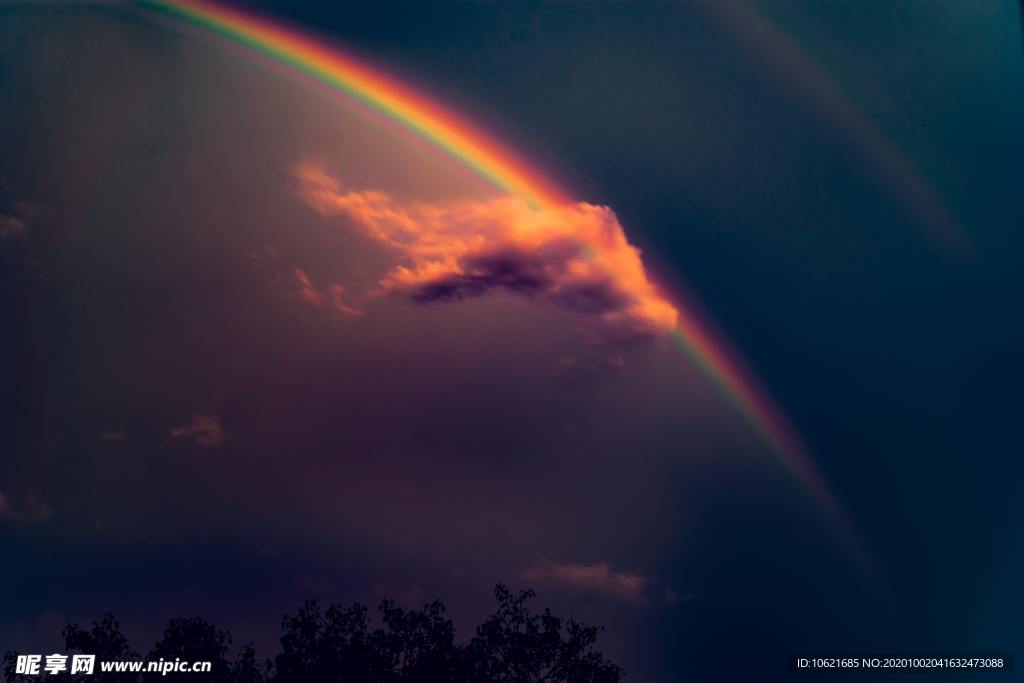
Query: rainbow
(511, 175)
(375, 90)
(780, 52)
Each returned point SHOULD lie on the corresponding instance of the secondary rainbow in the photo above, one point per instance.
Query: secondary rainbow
(512, 175)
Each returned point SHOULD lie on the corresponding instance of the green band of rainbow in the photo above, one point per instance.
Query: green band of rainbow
(509, 173)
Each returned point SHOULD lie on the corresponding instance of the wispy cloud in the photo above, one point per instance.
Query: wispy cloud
(673, 597)
(297, 284)
(11, 226)
(14, 223)
(204, 430)
(31, 510)
(596, 578)
(332, 296)
(575, 256)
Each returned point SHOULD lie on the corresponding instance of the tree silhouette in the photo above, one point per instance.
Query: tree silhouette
(247, 669)
(104, 639)
(417, 646)
(194, 639)
(515, 644)
(337, 645)
(325, 646)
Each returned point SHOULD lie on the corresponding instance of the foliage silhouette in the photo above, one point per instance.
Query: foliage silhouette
(104, 640)
(514, 644)
(338, 645)
(194, 639)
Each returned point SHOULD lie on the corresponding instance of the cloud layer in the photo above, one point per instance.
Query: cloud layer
(596, 578)
(575, 256)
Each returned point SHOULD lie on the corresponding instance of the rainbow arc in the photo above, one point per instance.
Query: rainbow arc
(512, 175)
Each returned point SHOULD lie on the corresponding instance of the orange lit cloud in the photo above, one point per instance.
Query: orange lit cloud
(575, 256)
(332, 296)
(205, 430)
(588, 578)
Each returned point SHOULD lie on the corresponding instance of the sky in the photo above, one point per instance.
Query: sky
(244, 364)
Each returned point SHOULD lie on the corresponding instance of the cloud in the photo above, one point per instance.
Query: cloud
(205, 430)
(11, 226)
(596, 578)
(332, 297)
(15, 224)
(33, 510)
(296, 283)
(574, 256)
(672, 597)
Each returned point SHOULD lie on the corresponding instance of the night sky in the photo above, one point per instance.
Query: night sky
(220, 397)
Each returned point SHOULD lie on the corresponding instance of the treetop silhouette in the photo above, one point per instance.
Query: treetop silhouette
(338, 645)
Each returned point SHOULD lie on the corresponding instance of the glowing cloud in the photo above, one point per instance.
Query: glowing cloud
(588, 578)
(574, 255)
(332, 297)
(205, 430)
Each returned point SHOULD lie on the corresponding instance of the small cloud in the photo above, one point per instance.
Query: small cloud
(335, 294)
(11, 226)
(267, 551)
(332, 297)
(672, 597)
(615, 362)
(112, 436)
(15, 223)
(32, 510)
(574, 256)
(296, 283)
(597, 578)
(307, 292)
(205, 430)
